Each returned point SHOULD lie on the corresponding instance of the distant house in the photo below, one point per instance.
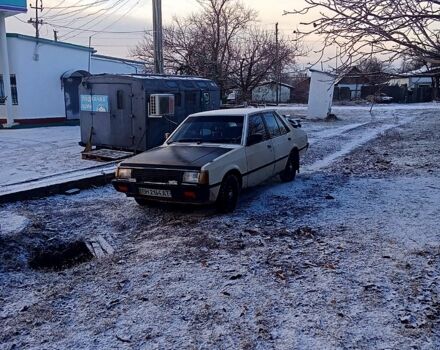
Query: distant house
(420, 78)
(421, 85)
(351, 84)
(266, 93)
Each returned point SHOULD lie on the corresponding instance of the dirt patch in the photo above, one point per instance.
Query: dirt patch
(60, 257)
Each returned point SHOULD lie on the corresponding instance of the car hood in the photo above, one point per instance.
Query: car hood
(177, 156)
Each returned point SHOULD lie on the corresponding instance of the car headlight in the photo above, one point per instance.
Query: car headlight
(191, 177)
(122, 173)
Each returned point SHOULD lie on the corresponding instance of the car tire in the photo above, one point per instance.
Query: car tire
(144, 202)
(292, 166)
(228, 194)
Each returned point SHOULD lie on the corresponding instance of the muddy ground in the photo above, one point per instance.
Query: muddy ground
(345, 257)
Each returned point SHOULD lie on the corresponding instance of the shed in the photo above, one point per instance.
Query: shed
(133, 112)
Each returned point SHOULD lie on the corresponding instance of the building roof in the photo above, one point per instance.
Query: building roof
(234, 111)
(162, 77)
(312, 70)
(353, 76)
(422, 72)
(274, 82)
(112, 58)
(50, 42)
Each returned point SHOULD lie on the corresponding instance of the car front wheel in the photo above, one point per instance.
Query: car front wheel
(228, 195)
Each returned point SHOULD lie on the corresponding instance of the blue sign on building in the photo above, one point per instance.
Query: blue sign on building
(94, 103)
(16, 6)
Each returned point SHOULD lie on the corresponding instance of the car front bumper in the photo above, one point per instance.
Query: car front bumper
(183, 193)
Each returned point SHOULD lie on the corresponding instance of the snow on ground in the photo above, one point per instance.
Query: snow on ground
(35, 152)
(347, 256)
(11, 223)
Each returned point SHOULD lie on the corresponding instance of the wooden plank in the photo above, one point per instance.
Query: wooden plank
(105, 155)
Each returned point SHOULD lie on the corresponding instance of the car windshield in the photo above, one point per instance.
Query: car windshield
(210, 129)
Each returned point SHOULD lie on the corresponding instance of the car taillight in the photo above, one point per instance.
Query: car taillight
(123, 188)
(189, 195)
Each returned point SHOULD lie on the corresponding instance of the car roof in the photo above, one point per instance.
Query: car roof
(232, 111)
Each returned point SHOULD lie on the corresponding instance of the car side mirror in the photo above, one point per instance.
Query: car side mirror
(167, 134)
(254, 139)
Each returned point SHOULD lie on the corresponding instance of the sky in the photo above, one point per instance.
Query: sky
(135, 16)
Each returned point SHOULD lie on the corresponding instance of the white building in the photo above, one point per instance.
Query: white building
(412, 81)
(266, 93)
(39, 70)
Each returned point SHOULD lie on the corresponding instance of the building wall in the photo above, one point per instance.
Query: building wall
(38, 68)
(267, 93)
(412, 82)
(354, 88)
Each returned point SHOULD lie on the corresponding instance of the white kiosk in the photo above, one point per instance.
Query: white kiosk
(7, 8)
(321, 94)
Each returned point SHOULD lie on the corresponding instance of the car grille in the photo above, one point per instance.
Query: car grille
(157, 175)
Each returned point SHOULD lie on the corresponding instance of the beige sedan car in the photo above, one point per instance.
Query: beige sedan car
(212, 155)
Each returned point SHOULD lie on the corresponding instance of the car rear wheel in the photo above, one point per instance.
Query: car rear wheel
(144, 202)
(291, 168)
(228, 195)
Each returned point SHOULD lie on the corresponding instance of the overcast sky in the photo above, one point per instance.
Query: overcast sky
(135, 15)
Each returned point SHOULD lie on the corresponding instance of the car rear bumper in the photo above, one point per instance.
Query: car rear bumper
(185, 194)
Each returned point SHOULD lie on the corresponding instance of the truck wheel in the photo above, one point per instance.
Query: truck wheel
(228, 195)
(144, 202)
(292, 166)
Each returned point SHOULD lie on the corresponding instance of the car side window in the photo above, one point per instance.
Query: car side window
(272, 125)
(256, 126)
(283, 128)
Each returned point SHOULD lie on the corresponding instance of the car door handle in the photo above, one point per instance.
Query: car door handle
(269, 146)
(289, 138)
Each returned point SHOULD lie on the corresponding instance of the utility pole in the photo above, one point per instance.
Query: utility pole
(277, 65)
(90, 53)
(157, 38)
(4, 61)
(36, 22)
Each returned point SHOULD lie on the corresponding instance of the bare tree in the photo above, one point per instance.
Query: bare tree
(367, 27)
(375, 69)
(200, 44)
(254, 59)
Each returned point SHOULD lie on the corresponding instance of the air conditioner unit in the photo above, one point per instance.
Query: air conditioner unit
(160, 105)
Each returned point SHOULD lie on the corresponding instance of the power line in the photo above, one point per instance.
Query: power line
(122, 16)
(59, 4)
(98, 13)
(75, 6)
(91, 30)
(64, 15)
(109, 11)
(100, 31)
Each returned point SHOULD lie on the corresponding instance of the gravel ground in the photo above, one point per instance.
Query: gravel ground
(345, 257)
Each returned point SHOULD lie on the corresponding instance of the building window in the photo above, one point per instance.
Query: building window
(13, 90)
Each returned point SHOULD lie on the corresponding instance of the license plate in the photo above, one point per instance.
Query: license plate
(155, 192)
